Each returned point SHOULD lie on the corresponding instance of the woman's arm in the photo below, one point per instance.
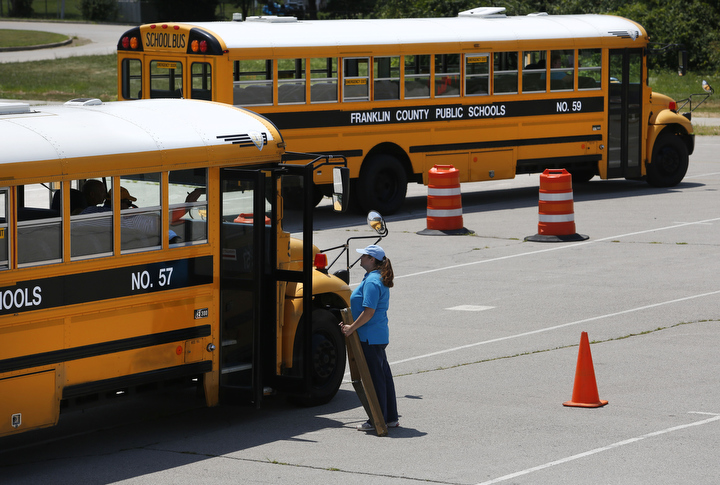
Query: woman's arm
(361, 320)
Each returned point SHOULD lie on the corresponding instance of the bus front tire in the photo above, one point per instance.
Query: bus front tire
(327, 359)
(669, 161)
(382, 185)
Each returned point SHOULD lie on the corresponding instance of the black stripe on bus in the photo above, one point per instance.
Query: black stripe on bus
(104, 348)
(434, 113)
(503, 143)
(537, 165)
(158, 375)
(92, 286)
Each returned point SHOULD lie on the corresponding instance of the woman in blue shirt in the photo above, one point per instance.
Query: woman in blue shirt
(369, 303)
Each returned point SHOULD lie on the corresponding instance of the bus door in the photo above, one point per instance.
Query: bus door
(625, 113)
(244, 260)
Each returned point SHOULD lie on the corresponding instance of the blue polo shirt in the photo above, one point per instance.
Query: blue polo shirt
(372, 293)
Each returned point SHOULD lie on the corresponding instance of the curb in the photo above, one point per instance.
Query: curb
(36, 47)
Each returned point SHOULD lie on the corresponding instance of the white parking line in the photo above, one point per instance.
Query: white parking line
(604, 448)
(555, 327)
(557, 248)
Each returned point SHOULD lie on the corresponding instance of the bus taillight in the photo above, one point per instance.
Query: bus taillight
(199, 46)
(130, 42)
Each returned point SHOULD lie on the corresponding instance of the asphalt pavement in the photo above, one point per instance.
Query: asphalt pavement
(484, 345)
(93, 39)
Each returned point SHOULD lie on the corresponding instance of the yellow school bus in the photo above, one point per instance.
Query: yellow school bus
(492, 95)
(143, 243)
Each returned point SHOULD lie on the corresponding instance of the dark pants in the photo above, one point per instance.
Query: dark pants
(382, 379)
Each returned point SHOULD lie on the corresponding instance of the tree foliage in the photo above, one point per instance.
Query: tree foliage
(184, 10)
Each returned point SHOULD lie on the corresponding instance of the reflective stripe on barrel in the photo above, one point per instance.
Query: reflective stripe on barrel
(444, 206)
(556, 213)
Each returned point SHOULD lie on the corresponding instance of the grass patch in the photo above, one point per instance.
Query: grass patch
(61, 79)
(25, 38)
(680, 87)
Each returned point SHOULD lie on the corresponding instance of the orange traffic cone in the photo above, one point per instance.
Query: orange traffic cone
(585, 392)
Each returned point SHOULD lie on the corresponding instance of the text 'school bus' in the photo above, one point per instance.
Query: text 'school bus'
(142, 243)
(493, 95)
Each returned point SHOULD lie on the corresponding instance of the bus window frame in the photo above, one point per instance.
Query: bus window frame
(128, 77)
(504, 56)
(418, 75)
(351, 81)
(205, 92)
(390, 81)
(469, 77)
(172, 78)
(320, 86)
(290, 87)
(262, 83)
(5, 240)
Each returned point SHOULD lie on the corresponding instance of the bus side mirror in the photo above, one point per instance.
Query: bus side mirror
(682, 62)
(377, 223)
(341, 188)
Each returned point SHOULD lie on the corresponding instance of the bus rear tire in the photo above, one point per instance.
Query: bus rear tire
(382, 185)
(328, 359)
(669, 161)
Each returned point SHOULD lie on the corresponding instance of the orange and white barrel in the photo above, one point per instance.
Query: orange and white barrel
(444, 204)
(556, 211)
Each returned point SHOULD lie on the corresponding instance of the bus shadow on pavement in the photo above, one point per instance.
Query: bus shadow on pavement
(138, 437)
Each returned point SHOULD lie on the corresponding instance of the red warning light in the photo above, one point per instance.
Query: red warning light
(179, 350)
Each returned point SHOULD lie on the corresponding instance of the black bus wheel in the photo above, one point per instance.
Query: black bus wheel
(669, 161)
(382, 185)
(327, 366)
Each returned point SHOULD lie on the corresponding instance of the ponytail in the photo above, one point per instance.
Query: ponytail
(386, 272)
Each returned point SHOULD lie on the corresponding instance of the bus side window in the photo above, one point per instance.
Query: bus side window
(91, 228)
(139, 212)
(291, 81)
(562, 70)
(252, 82)
(39, 232)
(4, 235)
(589, 69)
(477, 75)
(505, 73)
(356, 77)
(533, 73)
(324, 80)
(166, 79)
(201, 81)
(386, 78)
(131, 79)
(447, 75)
(417, 76)
(187, 193)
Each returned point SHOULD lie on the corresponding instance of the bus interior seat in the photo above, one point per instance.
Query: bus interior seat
(417, 89)
(323, 92)
(476, 86)
(252, 94)
(291, 93)
(387, 90)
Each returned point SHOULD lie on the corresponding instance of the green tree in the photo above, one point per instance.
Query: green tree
(179, 10)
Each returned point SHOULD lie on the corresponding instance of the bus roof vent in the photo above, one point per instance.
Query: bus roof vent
(484, 12)
(14, 108)
(538, 14)
(84, 102)
(273, 19)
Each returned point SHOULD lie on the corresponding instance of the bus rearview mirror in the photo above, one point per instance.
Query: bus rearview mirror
(341, 188)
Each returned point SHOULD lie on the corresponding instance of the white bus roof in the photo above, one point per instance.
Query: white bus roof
(85, 128)
(279, 32)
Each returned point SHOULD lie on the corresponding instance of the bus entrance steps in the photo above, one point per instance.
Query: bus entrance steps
(360, 377)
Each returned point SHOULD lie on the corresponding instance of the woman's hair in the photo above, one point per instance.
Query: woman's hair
(386, 271)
